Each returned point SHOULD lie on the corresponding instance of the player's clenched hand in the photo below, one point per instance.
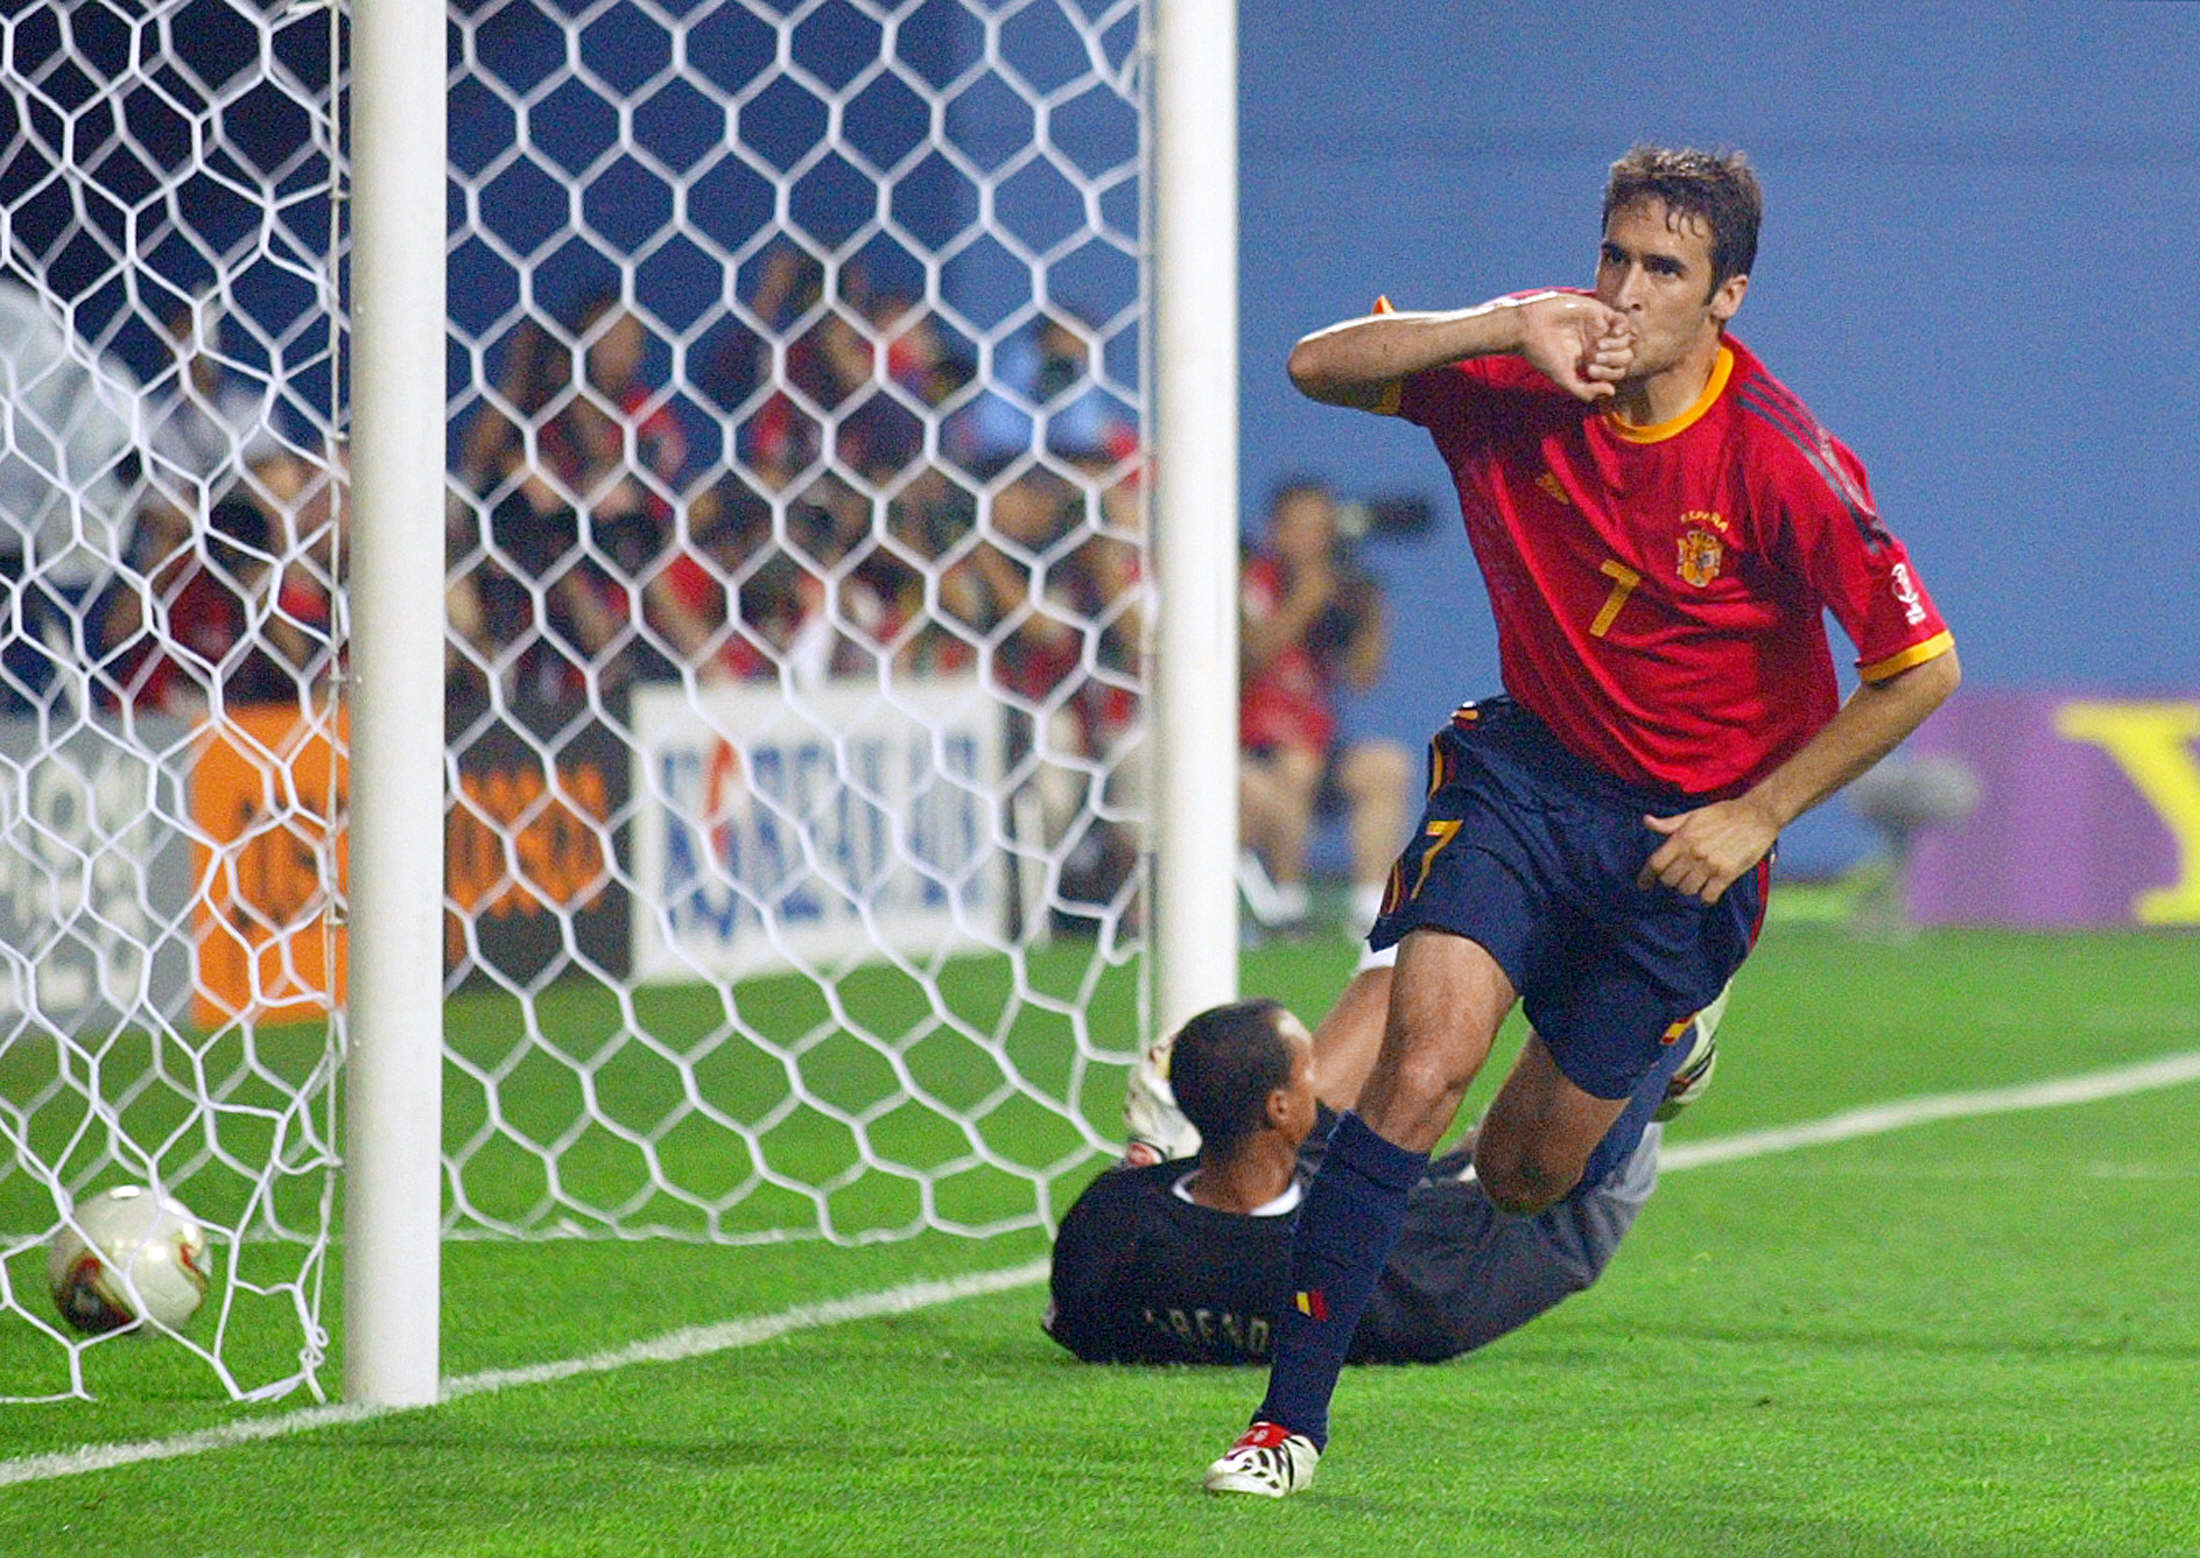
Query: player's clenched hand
(1577, 342)
(1707, 850)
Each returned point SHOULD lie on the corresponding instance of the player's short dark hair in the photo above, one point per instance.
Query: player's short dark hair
(1224, 1064)
(1719, 187)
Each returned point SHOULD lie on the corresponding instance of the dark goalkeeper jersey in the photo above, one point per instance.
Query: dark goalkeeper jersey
(1142, 1275)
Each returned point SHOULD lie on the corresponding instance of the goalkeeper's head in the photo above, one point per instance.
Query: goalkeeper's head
(1241, 1071)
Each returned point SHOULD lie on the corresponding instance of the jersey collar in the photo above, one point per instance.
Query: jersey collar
(1286, 1202)
(1722, 369)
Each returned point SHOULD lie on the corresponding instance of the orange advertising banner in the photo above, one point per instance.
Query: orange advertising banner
(269, 793)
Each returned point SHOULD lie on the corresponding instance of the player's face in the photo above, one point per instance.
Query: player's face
(1655, 267)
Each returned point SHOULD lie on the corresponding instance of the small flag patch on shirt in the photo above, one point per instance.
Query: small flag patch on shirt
(1312, 1303)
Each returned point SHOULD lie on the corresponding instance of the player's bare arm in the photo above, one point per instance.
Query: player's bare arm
(1708, 849)
(1580, 344)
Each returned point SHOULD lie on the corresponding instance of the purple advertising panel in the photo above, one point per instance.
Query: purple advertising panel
(2088, 813)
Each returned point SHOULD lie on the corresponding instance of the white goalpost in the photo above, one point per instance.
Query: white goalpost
(659, 616)
(1195, 446)
(393, 1179)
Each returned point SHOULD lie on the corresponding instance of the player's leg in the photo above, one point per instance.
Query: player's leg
(1538, 1133)
(1448, 996)
(1614, 1010)
(1464, 1273)
(1348, 1039)
(1463, 901)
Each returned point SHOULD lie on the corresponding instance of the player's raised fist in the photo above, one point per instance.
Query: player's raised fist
(1580, 344)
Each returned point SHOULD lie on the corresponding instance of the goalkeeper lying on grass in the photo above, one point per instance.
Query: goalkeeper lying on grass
(1188, 1262)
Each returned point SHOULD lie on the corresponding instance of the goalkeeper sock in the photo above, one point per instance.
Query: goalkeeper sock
(1353, 1214)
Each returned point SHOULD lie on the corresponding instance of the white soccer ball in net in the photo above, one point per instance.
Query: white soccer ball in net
(127, 1255)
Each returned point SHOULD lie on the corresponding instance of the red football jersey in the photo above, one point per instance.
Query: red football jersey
(1659, 590)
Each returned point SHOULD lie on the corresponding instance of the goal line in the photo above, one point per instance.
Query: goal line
(703, 1341)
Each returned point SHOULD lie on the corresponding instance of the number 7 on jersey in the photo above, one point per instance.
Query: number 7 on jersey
(1624, 579)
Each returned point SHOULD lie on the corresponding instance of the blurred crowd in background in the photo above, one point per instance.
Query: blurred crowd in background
(878, 514)
(848, 490)
(164, 550)
(883, 500)
(878, 508)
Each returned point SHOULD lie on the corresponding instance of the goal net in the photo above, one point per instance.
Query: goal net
(797, 600)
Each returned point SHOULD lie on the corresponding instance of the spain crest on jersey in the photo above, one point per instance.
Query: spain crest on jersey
(1700, 555)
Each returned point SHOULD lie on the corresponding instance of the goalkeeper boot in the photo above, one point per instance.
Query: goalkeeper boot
(1270, 1461)
(1693, 1076)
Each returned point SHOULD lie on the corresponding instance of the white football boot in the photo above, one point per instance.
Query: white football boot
(1693, 1077)
(1270, 1461)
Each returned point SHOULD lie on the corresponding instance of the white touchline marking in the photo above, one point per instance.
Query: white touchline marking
(1876, 1119)
(703, 1340)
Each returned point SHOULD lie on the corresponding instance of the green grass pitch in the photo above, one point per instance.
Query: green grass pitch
(1973, 1337)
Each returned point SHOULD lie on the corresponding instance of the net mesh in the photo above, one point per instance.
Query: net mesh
(796, 585)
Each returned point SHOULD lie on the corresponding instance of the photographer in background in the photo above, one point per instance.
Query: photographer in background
(1311, 625)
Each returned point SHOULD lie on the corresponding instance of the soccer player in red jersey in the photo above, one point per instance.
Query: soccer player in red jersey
(1660, 525)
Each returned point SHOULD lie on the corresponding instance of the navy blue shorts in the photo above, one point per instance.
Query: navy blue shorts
(1530, 851)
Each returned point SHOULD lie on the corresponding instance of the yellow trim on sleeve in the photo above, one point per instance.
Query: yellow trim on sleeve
(1722, 369)
(1917, 654)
